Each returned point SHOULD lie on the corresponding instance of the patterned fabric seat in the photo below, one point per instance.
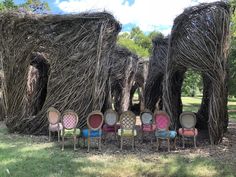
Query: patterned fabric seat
(166, 134)
(69, 123)
(127, 125)
(93, 133)
(127, 133)
(71, 132)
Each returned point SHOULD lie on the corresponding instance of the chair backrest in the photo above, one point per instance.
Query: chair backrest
(146, 117)
(111, 117)
(95, 120)
(162, 120)
(188, 120)
(69, 119)
(53, 115)
(127, 120)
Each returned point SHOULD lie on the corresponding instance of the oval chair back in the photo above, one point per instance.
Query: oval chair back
(188, 120)
(95, 120)
(69, 119)
(53, 115)
(111, 117)
(127, 120)
(162, 120)
(146, 117)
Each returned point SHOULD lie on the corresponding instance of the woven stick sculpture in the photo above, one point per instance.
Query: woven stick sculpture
(124, 67)
(200, 40)
(77, 48)
(156, 72)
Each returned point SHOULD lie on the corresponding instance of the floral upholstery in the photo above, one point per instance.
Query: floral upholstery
(71, 131)
(188, 132)
(127, 132)
(55, 127)
(166, 134)
(93, 133)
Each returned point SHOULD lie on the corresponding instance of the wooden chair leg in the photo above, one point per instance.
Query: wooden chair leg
(183, 141)
(49, 135)
(62, 142)
(75, 142)
(195, 143)
(175, 142)
(133, 143)
(88, 144)
(157, 144)
(121, 142)
(168, 144)
(99, 144)
(142, 136)
(84, 141)
(58, 135)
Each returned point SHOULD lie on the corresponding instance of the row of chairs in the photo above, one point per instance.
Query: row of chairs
(97, 123)
(159, 123)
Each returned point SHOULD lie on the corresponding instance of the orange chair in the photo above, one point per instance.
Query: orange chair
(188, 122)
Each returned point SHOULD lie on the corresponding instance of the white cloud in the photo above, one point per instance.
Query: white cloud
(147, 14)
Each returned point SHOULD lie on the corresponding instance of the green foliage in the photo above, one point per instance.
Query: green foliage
(7, 4)
(137, 41)
(34, 6)
(192, 84)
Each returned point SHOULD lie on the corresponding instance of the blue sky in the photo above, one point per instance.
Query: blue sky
(149, 15)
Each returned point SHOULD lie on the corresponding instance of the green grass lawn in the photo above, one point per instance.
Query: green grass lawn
(26, 156)
(193, 104)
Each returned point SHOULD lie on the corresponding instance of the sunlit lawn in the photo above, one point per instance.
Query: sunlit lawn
(193, 104)
(25, 156)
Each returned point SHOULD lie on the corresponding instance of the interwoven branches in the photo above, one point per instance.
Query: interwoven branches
(124, 67)
(77, 48)
(200, 40)
(156, 72)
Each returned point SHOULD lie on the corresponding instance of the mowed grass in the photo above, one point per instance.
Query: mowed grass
(193, 104)
(26, 156)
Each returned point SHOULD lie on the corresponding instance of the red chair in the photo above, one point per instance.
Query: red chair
(54, 116)
(110, 125)
(69, 123)
(94, 122)
(188, 122)
(148, 125)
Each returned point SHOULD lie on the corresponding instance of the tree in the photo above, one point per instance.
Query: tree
(138, 42)
(34, 6)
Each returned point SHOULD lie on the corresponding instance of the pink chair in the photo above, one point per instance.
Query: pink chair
(69, 123)
(148, 125)
(54, 116)
(94, 122)
(110, 125)
(162, 121)
(188, 122)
